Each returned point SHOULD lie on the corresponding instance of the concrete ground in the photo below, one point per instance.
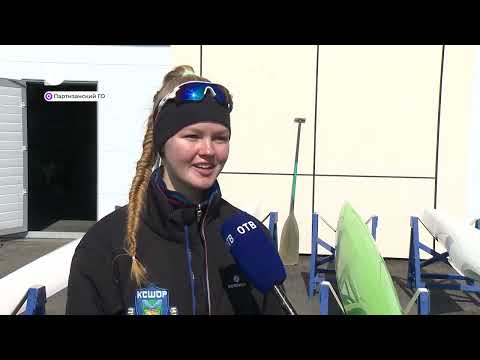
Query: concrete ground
(70, 226)
(442, 302)
(15, 253)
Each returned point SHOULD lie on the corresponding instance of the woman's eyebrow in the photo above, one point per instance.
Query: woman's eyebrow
(202, 132)
(194, 130)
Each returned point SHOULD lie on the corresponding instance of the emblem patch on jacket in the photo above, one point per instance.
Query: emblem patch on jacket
(152, 301)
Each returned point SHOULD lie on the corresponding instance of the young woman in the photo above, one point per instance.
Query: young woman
(163, 252)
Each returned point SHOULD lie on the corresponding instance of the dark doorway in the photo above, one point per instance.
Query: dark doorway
(62, 157)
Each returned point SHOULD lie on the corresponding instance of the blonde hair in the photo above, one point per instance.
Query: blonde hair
(147, 160)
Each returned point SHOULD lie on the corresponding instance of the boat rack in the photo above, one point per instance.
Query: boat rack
(317, 276)
(272, 226)
(418, 279)
(36, 299)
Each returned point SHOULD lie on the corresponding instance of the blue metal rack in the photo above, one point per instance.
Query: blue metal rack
(272, 226)
(36, 299)
(417, 279)
(317, 272)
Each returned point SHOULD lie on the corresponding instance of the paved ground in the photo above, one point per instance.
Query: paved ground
(70, 225)
(442, 302)
(16, 253)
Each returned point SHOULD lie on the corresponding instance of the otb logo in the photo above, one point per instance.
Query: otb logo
(242, 229)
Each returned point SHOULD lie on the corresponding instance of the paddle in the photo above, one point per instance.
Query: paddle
(289, 239)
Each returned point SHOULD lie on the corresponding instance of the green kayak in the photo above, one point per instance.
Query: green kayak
(363, 280)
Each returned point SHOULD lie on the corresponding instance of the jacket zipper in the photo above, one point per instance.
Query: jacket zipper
(202, 235)
(199, 213)
(190, 270)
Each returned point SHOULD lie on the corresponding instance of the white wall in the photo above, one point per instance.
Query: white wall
(457, 157)
(474, 152)
(129, 76)
(376, 115)
(386, 94)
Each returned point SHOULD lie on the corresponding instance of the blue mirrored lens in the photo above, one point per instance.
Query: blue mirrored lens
(197, 91)
(191, 92)
(221, 96)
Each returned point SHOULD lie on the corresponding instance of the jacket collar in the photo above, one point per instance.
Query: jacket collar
(176, 199)
(166, 212)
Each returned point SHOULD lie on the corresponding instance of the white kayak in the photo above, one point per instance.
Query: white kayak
(51, 270)
(461, 240)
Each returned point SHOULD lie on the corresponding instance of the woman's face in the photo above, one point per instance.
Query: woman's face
(194, 157)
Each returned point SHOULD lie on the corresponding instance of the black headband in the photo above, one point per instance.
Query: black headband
(173, 117)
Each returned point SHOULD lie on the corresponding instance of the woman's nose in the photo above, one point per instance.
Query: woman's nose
(206, 147)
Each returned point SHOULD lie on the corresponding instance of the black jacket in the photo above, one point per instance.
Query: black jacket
(100, 282)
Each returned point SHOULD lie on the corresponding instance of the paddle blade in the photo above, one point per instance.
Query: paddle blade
(289, 241)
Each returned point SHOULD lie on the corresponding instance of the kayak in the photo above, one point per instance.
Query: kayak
(364, 282)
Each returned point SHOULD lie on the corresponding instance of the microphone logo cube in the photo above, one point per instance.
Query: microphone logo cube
(230, 240)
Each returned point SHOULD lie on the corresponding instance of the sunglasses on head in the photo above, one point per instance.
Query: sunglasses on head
(195, 91)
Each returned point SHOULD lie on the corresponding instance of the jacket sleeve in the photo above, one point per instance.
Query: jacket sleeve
(91, 288)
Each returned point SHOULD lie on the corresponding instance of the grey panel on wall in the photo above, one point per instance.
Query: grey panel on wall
(10, 118)
(13, 160)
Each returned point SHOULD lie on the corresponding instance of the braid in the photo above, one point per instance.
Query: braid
(150, 157)
(136, 200)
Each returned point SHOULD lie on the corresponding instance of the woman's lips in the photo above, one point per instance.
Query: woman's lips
(205, 170)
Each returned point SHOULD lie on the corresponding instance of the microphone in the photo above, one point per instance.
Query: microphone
(256, 256)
